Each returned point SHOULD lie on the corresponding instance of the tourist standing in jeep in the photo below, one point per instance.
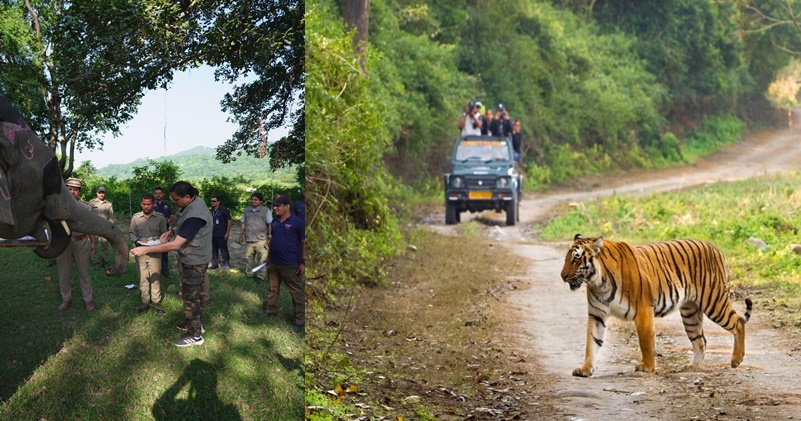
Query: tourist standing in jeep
(501, 125)
(470, 121)
(517, 139)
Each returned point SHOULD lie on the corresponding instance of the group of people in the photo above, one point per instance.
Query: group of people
(199, 236)
(477, 121)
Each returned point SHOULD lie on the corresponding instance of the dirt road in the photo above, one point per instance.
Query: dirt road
(550, 321)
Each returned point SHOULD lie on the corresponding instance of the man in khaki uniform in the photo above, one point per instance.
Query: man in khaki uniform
(105, 210)
(78, 253)
(147, 226)
(255, 232)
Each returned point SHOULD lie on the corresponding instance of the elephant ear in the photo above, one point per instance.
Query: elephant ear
(9, 113)
(6, 212)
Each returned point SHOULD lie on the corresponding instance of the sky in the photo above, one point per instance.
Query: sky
(185, 115)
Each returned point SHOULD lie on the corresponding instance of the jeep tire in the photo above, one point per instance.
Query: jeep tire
(511, 212)
(451, 214)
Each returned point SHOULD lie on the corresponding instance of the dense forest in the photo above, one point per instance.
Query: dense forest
(599, 86)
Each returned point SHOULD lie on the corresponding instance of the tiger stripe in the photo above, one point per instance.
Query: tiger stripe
(639, 283)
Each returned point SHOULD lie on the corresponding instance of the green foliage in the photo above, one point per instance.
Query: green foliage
(80, 69)
(767, 43)
(420, 85)
(717, 132)
(667, 152)
(199, 162)
(262, 42)
(20, 57)
(155, 174)
(783, 92)
(231, 194)
(347, 189)
(125, 183)
(691, 46)
(85, 171)
(273, 188)
(724, 214)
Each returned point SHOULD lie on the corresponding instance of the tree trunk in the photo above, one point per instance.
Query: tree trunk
(356, 14)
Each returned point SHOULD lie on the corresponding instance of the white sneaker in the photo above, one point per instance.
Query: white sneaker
(188, 340)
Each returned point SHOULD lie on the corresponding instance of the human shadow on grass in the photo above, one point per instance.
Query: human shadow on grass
(202, 401)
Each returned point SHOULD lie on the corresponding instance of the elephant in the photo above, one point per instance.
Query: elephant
(35, 202)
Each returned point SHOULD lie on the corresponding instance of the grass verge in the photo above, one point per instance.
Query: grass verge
(116, 364)
(730, 215)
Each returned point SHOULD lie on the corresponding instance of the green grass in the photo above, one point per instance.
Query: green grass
(725, 214)
(117, 364)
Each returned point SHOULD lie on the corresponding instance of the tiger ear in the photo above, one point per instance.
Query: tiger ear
(577, 237)
(599, 243)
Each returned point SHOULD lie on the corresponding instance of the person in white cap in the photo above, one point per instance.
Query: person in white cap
(78, 253)
(105, 210)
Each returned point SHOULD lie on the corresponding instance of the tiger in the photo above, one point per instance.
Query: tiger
(640, 282)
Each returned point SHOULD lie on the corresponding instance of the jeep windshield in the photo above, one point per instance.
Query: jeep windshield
(482, 150)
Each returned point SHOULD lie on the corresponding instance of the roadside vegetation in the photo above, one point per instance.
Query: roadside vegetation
(116, 364)
(725, 214)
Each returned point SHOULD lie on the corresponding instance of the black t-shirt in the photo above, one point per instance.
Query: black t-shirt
(190, 228)
(517, 140)
(219, 219)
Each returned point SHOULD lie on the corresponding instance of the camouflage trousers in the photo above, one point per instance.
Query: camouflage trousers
(193, 277)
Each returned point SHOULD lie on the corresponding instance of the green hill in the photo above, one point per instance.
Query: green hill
(199, 162)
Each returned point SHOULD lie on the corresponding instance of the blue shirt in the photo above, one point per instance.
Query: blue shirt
(286, 243)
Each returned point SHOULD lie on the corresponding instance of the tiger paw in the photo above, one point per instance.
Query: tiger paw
(735, 362)
(643, 368)
(581, 372)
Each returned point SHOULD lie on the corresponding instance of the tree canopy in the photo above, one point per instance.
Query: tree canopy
(265, 38)
(79, 69)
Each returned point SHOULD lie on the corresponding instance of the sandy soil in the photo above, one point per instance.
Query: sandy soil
(548, 321)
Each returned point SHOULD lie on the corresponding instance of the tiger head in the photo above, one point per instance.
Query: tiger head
(580, 265)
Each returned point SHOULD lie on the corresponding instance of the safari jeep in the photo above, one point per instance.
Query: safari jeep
(483, 177)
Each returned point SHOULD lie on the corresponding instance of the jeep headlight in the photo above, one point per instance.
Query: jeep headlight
(457, 182)
(502, 183)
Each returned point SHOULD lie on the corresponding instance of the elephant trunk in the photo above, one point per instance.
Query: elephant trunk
(80, 219)
(115, 237)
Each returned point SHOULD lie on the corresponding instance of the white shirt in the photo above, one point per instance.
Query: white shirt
(469, 128)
